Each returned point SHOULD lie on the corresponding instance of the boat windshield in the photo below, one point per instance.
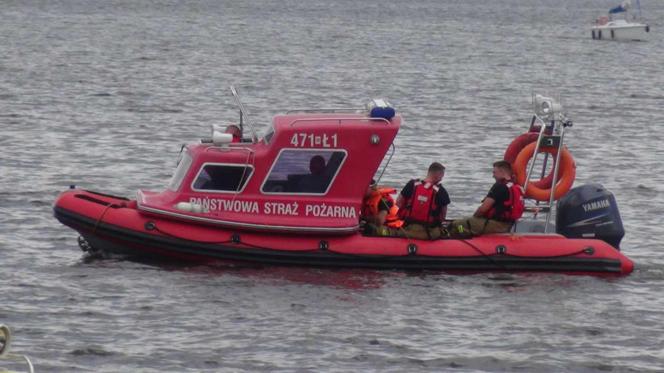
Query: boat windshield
(219, 177)
(268, 135)
(180, 171)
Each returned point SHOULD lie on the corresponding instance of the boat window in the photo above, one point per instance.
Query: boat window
(180, 171)
(214, 177)
(303, 171)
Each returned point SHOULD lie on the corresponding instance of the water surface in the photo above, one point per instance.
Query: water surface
(102, 94)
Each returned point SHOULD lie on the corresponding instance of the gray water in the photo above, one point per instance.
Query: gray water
(102, 94)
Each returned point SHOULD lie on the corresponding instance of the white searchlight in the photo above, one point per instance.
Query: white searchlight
(219, 137)
(546, 107)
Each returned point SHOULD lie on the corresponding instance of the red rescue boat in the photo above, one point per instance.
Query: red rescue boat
(294, 197)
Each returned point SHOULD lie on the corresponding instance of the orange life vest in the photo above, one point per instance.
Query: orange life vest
(370, 206)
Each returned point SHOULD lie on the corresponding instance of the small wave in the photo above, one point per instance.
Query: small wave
(91, 351)
(648, 272)
(297, 306)
(127, 93)
(37, 203)
(154, 110)
(456, 362)
(565, 37)
(643, 189)
(646, 96)
(102, 94)
(22, 193)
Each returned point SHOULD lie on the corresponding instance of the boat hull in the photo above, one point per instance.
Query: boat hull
(621, 33)
(114, 225)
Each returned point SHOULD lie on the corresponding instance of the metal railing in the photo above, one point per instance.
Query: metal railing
(556, 127)
(5, 344)
(339, 120)
(244, 115)
(326, 111)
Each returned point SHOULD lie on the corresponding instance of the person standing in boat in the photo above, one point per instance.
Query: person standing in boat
(379, 211)
(501, 207)
(423, 205)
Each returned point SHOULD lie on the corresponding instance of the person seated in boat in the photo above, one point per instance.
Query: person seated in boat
(235, 131)
(501, 207)
(423, 205)
(317, 180)
(379, 211)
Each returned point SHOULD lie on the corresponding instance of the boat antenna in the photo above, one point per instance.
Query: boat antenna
(241, 124)
(244, 115)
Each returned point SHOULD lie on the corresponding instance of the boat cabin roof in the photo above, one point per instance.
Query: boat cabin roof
(309, 173)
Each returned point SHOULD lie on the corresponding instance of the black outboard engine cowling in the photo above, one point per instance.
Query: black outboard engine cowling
(590, 211)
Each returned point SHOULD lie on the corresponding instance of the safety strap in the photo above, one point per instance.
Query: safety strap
(486, 222)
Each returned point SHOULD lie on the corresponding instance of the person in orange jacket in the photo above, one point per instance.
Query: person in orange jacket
(379, 211)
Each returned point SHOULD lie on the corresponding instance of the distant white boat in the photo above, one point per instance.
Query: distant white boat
(607, 28)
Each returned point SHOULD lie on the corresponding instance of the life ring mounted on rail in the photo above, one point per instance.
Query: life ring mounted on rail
(516, 146)
(566, 172)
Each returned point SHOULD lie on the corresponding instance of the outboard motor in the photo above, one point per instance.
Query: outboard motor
(590, 211)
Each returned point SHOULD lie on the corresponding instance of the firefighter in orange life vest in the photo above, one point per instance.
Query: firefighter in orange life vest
(423, 205)
(379, 211)
(501, 207)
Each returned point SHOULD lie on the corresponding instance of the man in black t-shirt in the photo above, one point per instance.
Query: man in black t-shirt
(500, 194)
(488, 217)
(441, 200)
(423, 204)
